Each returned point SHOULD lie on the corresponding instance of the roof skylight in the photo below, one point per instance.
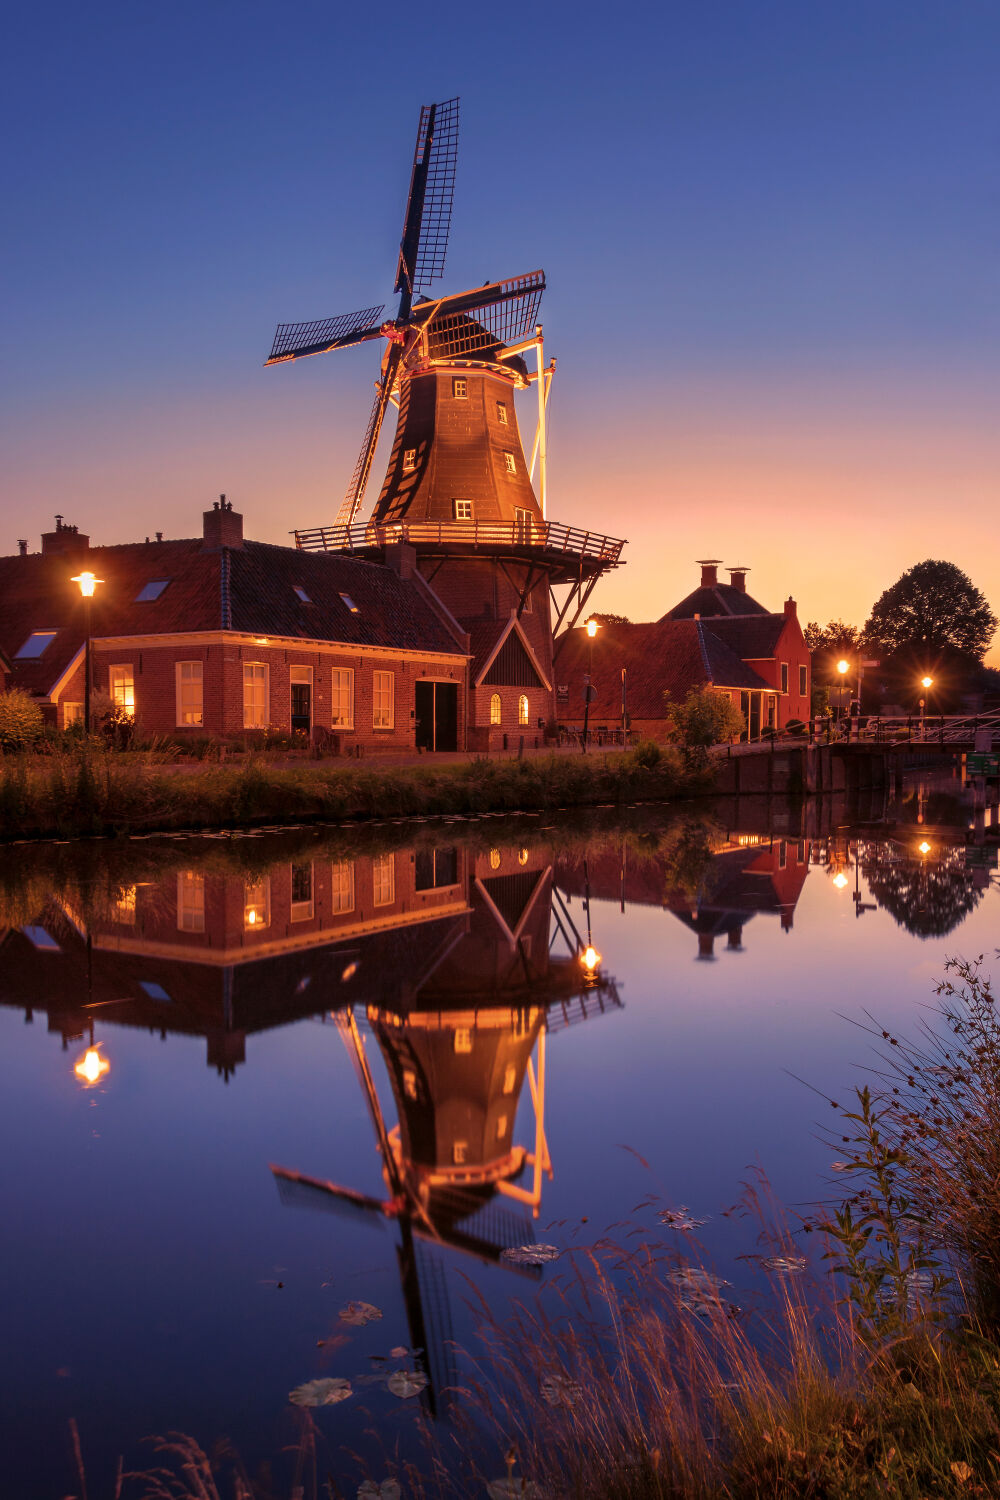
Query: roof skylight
(301, 593)
(151, 590)
(37, 642)
(350, 603)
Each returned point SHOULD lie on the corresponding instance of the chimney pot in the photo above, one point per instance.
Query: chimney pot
(68, 540)
(22, 546)
(709, 571)
(790, 608)
(738, 577)
(159, 536)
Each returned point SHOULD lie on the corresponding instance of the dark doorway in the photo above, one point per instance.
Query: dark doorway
(436, 706)
(755, 716)
(302, 706)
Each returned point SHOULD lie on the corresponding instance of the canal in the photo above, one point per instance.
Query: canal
(252, 1082)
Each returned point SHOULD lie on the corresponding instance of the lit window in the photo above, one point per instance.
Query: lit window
(257, 904)
(460, 388)
(41, 939)
(151, 591)
(302, 892)
(522, 856)
(409, 1083)
(342, 698)
(509, 1078)
(501, 414)
(522, 709)
(123, 910)
(301, 594)
(511, 466)
(255, 695)
(350, 603)
(494, 859)
(803, 681)
(342, 886)
(121, 686)
(463, 1039)
(409, 460)
(784, 677)
(495, 709)
(458, 1153)
(384, 879)
(501, 1127)
(382, 700)
(36, 643)
(463, 510)
(190, 901)
(190, 692)
(72, 714)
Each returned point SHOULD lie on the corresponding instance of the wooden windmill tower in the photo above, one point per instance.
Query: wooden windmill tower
(458, 489)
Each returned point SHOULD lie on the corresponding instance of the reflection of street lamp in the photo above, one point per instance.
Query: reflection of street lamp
(840, 880)
(91, 1067)
(588, 690)
(88, 584)
(924, 847)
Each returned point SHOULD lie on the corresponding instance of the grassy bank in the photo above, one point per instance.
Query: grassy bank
(99, 791)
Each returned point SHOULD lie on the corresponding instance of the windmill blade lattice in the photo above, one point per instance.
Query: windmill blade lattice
(503, 313)
(295, 340)
(427, 221)
(359, 479)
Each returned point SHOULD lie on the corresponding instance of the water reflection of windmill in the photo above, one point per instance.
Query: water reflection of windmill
(458, 1051)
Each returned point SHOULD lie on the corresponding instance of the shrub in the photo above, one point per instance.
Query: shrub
(706, 717)
(796, 727)
(21, 719)
(647, 754)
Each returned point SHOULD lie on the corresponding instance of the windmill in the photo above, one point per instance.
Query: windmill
(458, 489)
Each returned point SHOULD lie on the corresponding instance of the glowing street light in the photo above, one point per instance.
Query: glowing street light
(926, 683)
(588, 691)
(88, 583)
(924, 847)
(91, 1067)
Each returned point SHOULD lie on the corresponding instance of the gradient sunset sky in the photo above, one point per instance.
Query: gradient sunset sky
(770, 232)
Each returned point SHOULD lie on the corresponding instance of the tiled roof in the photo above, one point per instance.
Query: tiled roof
(669, 655)
(722, 599)
(483, 637)
(249, 589)
(752, 637)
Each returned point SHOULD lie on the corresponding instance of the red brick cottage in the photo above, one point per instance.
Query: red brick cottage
(222, 635)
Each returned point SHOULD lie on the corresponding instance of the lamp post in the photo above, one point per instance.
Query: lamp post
(88, 583)
(926, 683)
(843, 667)
(588, 689)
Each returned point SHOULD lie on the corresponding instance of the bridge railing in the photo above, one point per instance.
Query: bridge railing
(959, 730)
(546, 536)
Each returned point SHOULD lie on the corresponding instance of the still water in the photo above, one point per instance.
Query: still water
(356, 1066)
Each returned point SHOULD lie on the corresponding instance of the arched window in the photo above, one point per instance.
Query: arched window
(522, 709)
(495, 709)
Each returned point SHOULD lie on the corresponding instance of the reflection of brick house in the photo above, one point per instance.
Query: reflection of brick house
(221, 635)
(717, 637)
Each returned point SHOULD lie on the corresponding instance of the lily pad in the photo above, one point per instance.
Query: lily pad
(693, 1279)
(785, 1265)
(359, 1313)
(399, 1352)
(404, 1383)
(560, 1390)
(387, 1490)
(514, 1489)
(531, 1255)
(680, 1218)
(326, 1392)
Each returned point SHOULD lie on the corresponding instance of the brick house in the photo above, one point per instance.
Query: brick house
(717, 637)
(222, 635)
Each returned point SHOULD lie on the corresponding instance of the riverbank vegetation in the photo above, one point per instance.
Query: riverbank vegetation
(97, 790)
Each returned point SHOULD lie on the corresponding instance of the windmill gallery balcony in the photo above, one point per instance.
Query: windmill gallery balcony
(548, 542)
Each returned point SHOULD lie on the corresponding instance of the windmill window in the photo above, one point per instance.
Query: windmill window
(501, 1127)
(495, 709)
(409, 1083)
(522, 709)
(494, 859)
(37, 642)
(350, 603)
(522, 856)
(463, 1039)
(508, 459)
(409, 460)
(501, 414)
(301, 594)
(459, 388)
(509, 1078)
(463, 510)
(151, 591)
(458, 1153)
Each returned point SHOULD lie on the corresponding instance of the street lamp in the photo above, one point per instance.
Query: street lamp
(88, 583)
(843, 667)
(588, 691)
(926, 683)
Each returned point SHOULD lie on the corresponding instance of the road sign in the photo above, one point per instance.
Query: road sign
(982, 765)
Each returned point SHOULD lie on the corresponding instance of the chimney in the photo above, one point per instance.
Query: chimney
(790, 609)
(22, 546)
(222, 526)
(401, 558)
(734, 942)
(738, 578)
(65, 540)
(159, 536)
(709, 571)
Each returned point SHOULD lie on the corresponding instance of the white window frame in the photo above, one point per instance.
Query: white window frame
(460, 388)
(409, 460)
(510, 462)
(72, 714)
(190, 913)
(463, 510)
(383, 700)
(384, 879)
(523, 710)
(183, 722)
(786, 676)
(341, 886)
(250, 669)
(502, 413)
(341, 682)
(121, 686)
(496, 709)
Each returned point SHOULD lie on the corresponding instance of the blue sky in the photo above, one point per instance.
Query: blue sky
(770, 234)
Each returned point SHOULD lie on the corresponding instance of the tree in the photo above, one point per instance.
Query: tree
(611, 619)
(933, 607)
(21, 720)
(834, 637)
(707, 716)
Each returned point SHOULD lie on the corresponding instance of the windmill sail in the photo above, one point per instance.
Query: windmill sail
(503, 312)
(427, 221)
(295, 340)
(355, 490)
